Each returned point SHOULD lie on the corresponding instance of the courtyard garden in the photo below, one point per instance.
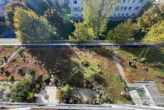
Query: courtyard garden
(92, 69)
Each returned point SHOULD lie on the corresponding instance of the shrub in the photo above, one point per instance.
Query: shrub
(31, 72)
(11, 78)
(21, 91)
(2, 69)
(104, 99)
(21, 52)
(7, 73)
(30, 97)
(22, 71)
(86, 63)
(60, 95)
(64, 94)
(74, 78)
(5, 58)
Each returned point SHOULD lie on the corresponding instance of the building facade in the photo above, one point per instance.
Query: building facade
(126, 9)
(63, 1)
(76, 8)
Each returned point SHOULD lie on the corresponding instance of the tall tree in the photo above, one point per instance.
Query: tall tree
(156, 33)
(82, 32)
(39, 6)
(10, 10)
(31, 28)
(123, 31)
(96, 14)
(151, 17)
(57, 21)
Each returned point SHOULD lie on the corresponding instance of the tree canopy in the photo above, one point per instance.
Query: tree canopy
(32, 28)
(39, 6)
(96, 15)
(82, 32)
(56, 21)
(156, 33)
(151, 17)
(21, 91)
(123, 31)
(10, 10)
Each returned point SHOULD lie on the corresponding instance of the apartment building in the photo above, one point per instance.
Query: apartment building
(2, 6)
(125, 9)
(64, 1)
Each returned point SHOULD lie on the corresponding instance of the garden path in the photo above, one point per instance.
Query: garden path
(121, 71)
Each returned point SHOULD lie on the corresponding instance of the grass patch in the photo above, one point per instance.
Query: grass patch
(99, 62)
(154, 63)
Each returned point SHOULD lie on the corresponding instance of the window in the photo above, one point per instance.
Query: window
(124, 1)
(130, 8)
(141, 1)
(121, 8)
(125, 8)
(75, 9)
(75, 15)
(127, 14)
(75, 2)
(133, 14)
(133, 1)
(136, 8)
(117, 8)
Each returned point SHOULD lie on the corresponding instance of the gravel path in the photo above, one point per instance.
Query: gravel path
(121, 71)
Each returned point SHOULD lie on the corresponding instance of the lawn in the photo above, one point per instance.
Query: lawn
(152, 69)
(80, 68)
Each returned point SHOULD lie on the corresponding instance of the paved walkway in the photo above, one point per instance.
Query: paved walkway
(85, 94)
(119, 67)
(47, 96)
(121, 71)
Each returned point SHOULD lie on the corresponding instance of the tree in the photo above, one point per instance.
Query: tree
(123, 31)
(39, 6)
(102, 10)
(82, 32)
(30, 27)
(10, 10)
(156, 33)
(57, 21)
(96, 14)
(20, 91)
(151, 17)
